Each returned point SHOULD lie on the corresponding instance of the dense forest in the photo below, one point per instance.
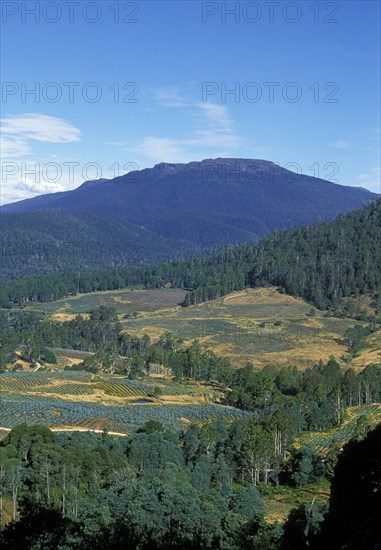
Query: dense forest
(321, 263)
(56, 242)
(198, 488)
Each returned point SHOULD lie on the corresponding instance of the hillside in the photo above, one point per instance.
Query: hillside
(42, 242)
(322, 264)
(257, 327)
(169, 210)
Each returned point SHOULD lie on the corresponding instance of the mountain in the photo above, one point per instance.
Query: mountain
(173, 209)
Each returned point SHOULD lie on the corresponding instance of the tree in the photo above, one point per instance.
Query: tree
(301, 526)
(38, 528)
(258, 452)
(247, 503)
(353, 519)
(49, 356)
(191, 443)
(14, 479)
(306, 466)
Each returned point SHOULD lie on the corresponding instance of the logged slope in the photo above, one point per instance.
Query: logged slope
(208, 202)
(321, 264)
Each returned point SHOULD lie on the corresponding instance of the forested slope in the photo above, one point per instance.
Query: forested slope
(321, 263)
(324, 262)
(56, 242)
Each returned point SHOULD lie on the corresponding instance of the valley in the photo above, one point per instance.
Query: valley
(247, 373)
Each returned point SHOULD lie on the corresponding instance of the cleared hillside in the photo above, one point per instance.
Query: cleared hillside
(259, 326)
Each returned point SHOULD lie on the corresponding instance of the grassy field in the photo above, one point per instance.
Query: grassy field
(371, 352)
(256, 326)
(125, 301)
(280, 501)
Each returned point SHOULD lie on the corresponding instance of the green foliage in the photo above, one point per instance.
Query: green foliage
(77, 490)
(307, 466)
(325, 262)
(355, 337)
(48, 356)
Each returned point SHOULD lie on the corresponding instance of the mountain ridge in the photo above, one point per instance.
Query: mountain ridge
(213, 171)
(178, 208)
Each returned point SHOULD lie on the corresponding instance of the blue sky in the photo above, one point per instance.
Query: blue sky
(122, 85)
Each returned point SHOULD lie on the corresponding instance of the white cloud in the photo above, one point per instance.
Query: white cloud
(370, 180)
(40, 128)
(18, 130)
(213, 136)
(341, 144)
(38, 187)
(13, 147)
(18, 134)
(217, 115)
(170, 97)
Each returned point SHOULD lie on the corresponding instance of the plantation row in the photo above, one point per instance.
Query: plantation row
(66, 389)
(117, 386)
(370, 414)
(22, 382)
(125, 388)
(122, 390)
(45, 376)
(36, 383)
(74, 353)
(54, 413)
